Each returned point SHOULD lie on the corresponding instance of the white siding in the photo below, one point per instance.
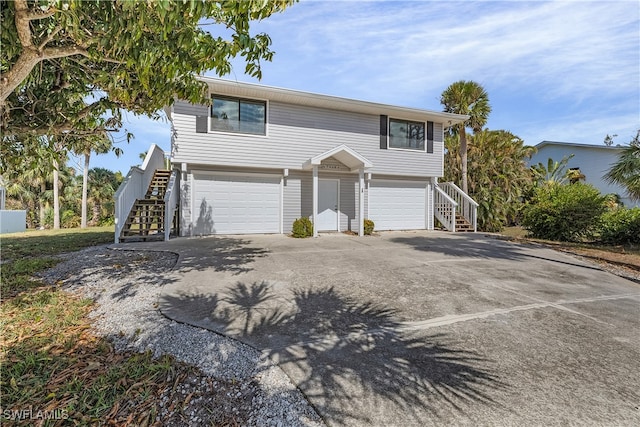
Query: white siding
(293, 203)
(594, 162)
(295, 134)
(298, 202)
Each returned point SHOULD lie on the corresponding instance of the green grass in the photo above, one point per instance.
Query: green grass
(24, 254)
(50, 242)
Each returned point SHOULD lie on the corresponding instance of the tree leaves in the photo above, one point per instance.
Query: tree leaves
(626, 171)
(498, 174)
(154, 49)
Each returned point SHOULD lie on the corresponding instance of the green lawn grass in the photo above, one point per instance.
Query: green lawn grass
(24, 254)
(51, 242)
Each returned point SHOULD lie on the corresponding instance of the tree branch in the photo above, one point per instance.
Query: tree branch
(49, 38)
(35, 16)
(63, 51)
(22, 23)
(69, 126)
(30, 55)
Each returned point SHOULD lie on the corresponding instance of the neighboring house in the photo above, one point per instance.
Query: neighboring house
(259, 157)
(593, 161)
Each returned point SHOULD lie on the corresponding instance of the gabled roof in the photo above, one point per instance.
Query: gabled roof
(252, 90)
(345, 155)
(572, 144)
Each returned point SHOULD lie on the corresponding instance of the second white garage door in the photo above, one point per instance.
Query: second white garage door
(235, 204)
(397, 205)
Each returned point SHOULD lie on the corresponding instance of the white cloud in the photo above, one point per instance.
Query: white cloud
(557, 56)
(564, 70)
(565, 46)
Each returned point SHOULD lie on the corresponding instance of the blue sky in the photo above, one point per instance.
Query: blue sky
(561, 71)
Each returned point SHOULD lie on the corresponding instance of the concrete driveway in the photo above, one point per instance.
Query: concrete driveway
(423, 328)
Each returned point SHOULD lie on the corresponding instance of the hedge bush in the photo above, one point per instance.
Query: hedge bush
(368, 227)
(302, 227)
(620, 226)
(564, 212)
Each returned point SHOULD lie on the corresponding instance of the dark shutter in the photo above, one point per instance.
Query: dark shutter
(429, 137)
(383, 132)
(201, 124)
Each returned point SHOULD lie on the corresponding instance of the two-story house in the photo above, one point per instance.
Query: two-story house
(593, 161)
(259, 157)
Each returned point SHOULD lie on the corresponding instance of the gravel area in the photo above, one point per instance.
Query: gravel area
(233, 377)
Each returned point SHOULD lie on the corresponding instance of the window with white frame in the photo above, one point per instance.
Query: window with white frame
(406, 134)
(238, 115)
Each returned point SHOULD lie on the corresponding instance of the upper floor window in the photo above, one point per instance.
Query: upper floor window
(238, 115)
(406, 134)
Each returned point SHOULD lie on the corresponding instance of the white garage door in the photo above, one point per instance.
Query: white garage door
(235, 204)
(397, 205)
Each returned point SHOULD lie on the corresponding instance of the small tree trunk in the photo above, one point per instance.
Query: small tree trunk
(43, 188)
(56, 197)
(463, 158)
(96, 211)
(85, 189)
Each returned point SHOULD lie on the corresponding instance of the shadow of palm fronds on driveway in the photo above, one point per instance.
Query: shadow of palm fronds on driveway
(221, 254)
(350, 358)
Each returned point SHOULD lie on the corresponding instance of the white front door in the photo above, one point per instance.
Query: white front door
(328, 205)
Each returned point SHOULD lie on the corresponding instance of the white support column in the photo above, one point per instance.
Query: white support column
(361, 202)
(315, 200)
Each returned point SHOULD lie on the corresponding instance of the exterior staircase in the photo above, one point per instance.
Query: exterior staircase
(454, 209)
(146, 218)
(462, 225)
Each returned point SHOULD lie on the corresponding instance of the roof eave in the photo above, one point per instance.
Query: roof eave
(334, 102)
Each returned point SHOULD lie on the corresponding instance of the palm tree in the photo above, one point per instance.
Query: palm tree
(553, 172)
(469, 98)
(99, 144)
(29, 176)
(101, 190)
(497, 162)
(626, 171)
(59, 157)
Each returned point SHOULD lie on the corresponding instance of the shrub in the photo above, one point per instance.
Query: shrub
(368, 227)
(620, 226)
(563, 212)
(69, 219)
(302, 227)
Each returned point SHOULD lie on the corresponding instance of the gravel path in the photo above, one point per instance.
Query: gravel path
(126, 284)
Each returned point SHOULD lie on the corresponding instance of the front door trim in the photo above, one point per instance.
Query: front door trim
(336, 181)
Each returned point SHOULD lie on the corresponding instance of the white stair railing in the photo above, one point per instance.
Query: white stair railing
(444, 209)
(467, 207)
(170, 203)
(135, 186)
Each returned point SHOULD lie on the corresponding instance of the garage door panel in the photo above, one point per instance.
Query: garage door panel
(236, 204)
(397, 205)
